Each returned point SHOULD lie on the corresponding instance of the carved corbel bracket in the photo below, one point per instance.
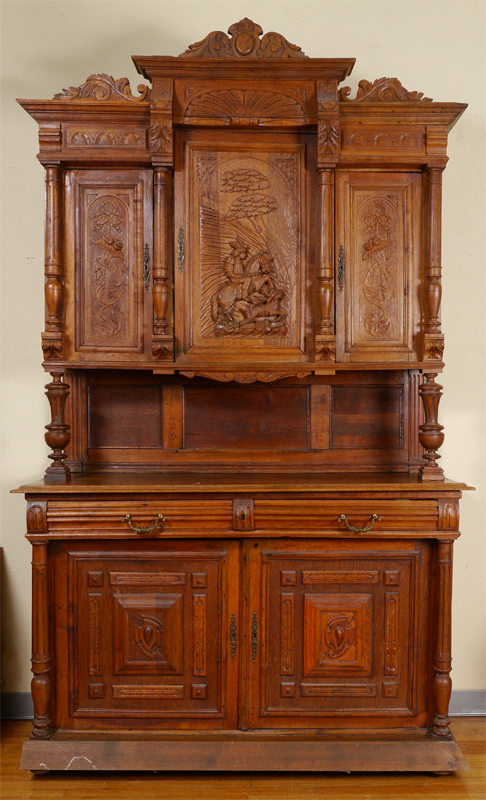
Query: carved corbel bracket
(328, 128)
(52, 345)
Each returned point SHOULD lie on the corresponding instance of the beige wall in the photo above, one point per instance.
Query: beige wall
(435, 47)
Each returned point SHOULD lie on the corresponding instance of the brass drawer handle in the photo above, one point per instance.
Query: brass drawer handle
(353, 528)
(148, 528)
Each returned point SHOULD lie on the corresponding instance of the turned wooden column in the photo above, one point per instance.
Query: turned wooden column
(52, 345)
(162, 341)
(325, 339)
(442, 684)
(58, 432)
(41, 656)
(433, 343)
(431, 435)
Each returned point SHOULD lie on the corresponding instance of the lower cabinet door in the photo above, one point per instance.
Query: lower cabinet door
(148, 634)
(338, 634)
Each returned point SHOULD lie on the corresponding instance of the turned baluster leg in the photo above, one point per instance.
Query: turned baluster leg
(41, 659)
(52, 344)
(442, 683)
(325, 338)
(163, 342)
(58, 433)
(431, 436)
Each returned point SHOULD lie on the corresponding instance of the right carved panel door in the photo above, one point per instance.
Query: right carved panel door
(378, 251)
(336, 637)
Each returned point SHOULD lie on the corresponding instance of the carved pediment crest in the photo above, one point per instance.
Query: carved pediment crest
(245, 42)
(103, 87)
(383, 90)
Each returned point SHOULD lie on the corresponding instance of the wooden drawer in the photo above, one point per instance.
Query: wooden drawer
(109, 516)
(304, 515)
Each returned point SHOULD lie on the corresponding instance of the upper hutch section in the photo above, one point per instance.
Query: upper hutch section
(243, 216)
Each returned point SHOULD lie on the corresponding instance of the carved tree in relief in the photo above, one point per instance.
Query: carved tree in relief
(245, 278)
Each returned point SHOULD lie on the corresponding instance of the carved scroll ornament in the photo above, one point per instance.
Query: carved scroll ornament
(244, 43)
(383, 90)
(103, 87)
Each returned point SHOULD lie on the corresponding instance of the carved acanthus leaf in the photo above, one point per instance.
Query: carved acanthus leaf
(161, 136)
(328, 137)
(433, 350)
(103, 87)
(246, 377)
(163, 350)
(244, 43)
(383, 90)
(52, 347)
(326, 351)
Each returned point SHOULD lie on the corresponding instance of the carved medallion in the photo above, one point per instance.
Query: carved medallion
(339, 635)
(149, 635)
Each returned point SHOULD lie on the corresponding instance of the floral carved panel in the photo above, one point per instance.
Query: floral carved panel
(381, 248)
(108, 247)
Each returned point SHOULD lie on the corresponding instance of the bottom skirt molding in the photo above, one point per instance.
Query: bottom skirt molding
(235, 754)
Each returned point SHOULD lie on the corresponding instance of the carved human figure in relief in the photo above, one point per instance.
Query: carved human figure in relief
(250, 299)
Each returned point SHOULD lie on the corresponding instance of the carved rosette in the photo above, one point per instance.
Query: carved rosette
(245, 42)
(104, 87)
(383, 90)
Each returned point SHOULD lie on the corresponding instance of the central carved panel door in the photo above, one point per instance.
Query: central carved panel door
(335, 634)
(378, 244)
(150, 634)
(243, 249)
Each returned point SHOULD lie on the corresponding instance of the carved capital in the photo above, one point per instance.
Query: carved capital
(433, 349)
(326, 349)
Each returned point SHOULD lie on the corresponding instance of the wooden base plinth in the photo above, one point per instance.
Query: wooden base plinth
(236, 754)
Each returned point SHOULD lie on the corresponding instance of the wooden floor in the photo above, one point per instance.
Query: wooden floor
(469, 732)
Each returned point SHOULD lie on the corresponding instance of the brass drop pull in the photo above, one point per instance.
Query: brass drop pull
(148, 528)
(233, 636)
(353, 528)
(146, 267)
(341, 266)
(254, 636)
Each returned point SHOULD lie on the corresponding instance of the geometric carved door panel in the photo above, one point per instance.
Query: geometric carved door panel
(109, 305)
(378, 239)
(150, 633)
(338, 633)
(241, 281)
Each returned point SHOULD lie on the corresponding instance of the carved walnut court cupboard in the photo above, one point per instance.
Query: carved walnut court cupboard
(242, 551)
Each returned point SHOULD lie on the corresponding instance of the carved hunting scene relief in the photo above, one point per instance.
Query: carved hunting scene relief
(247, 247)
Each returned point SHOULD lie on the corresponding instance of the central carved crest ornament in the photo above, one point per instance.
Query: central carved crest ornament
(245, 42)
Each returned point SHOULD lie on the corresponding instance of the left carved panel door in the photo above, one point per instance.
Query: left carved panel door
(107, 264)
(148, 635)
